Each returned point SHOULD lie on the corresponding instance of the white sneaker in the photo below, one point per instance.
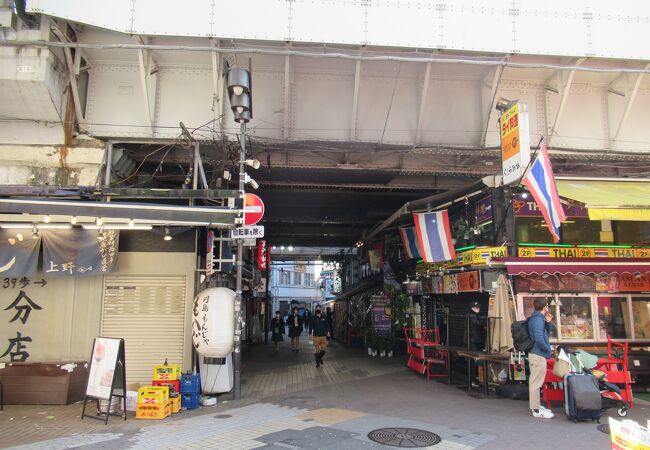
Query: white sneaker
(543, 413)
(545, 408)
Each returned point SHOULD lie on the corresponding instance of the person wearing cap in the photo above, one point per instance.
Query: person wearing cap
(476, 334)
(539, 327)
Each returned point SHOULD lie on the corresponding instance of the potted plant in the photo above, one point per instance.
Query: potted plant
(371, 342)
(389, 344)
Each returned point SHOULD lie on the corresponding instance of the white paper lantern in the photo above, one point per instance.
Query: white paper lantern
(213, 322)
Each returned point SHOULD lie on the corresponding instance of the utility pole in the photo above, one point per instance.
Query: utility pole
(240, 263)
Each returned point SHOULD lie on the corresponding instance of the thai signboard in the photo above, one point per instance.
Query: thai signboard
(580, 252)
(515, 143)
(583, 282)
(527, 207)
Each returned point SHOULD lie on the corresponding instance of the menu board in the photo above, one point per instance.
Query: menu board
(103, 365)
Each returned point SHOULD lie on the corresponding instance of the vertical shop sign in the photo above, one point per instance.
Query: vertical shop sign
(515, 142)
(209, 255)
(262, 255)
(380, 319)
(20, 308)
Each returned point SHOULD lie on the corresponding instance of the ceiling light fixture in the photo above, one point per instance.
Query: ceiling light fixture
(99, 222)
(34, 232)
(131, 223)
(73, 220)
(168, 237)
(47, 219)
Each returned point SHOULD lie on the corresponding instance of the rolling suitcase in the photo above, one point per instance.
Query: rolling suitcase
(582, 399)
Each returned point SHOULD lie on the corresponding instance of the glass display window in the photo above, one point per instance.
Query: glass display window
(613, 318)
(526, 305)
(641, 315)
(576, 319)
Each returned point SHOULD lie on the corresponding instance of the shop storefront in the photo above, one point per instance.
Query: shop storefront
(591, 298)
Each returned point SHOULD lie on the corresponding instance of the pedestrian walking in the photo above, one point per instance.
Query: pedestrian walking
(318, 333)
(294, 322)
(539, 327)
(307, 319)
(277, 330)
(329, 315)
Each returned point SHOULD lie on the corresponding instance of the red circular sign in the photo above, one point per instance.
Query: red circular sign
(253, 209)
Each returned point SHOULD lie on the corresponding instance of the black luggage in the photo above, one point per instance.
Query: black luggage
(582, 399)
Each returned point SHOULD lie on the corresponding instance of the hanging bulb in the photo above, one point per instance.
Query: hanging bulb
(47, 219)
(524, 195)
(99, 222)
(290, 248)
(73, 220)
(168, 237)
(238, 90)
(131, 223)
(34, 232)
(240, 109)
(20, 237)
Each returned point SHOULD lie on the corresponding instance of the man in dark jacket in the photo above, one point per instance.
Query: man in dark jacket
(476, 333)
(539, 327)
(319, 332)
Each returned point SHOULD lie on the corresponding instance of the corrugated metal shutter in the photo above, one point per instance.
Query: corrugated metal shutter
(149, 313)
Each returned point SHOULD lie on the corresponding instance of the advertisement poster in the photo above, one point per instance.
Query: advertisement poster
(102, 367)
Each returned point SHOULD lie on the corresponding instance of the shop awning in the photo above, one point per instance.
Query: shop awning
(361, 287)
(609, 199)
(528, 266)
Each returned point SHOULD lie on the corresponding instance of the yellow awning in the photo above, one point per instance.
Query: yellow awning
(608, 199)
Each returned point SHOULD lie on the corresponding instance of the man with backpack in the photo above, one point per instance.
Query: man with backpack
(539, 327)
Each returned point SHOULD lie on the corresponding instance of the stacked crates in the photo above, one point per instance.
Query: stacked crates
(153, 403)
(169, 376)
(190, 390)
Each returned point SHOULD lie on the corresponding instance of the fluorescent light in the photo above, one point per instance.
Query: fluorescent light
(116, 226)
(41, 226)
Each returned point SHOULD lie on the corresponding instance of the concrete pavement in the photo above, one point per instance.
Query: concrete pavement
(290, 404)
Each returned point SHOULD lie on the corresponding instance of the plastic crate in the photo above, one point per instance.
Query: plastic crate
(190, 401)
(153, 411)
(153, 395)
(176, 404)
(173, 385)
(190, 383)
(172, 372)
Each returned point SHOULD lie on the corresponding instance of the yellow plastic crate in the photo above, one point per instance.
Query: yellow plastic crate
(176, 404)
(153, 395)
(167, 373)
(153, 411)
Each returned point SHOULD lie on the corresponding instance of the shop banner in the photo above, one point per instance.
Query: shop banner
(579, 252)
(515, 143)
(527, 207)
(628, 435)
(18, 253)
(413, 288)
(588, 282)
(78, 252)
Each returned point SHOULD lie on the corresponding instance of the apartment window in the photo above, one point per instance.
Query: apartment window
(285, 277)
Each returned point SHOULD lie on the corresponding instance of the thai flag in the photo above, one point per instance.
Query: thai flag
(410, 242)
(541, 184)
(434, 236)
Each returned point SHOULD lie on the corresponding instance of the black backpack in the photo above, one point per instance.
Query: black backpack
(520, 336)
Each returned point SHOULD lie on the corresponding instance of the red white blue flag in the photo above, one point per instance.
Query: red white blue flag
(434, 236)
(410, 242)
(541, 184)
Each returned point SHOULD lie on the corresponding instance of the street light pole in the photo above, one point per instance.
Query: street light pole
(240, 263)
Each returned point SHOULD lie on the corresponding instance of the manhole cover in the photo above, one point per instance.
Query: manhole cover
(222, 416)
(604, 428)
(404, 437)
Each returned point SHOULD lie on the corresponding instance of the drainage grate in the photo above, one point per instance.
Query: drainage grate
(222, 416)
(604, 428)
(404, 437)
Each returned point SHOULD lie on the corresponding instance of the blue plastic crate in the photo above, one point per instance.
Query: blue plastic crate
(190, 383)
(190, 401)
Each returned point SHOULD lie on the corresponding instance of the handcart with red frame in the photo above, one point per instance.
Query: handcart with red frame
(425, 350)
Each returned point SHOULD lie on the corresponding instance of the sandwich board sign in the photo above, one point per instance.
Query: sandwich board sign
(106, 377)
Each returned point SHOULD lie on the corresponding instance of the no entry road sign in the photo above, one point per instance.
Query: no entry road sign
(253, 209)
